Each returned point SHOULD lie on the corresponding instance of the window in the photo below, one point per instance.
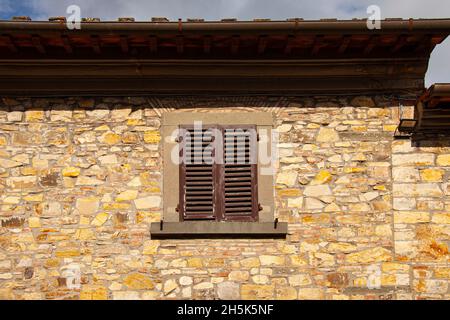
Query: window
(217, 181)
(218, 173)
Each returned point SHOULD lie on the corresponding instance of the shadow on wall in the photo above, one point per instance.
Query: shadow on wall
(439, 140)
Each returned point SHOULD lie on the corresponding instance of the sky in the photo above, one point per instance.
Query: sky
(143, 10)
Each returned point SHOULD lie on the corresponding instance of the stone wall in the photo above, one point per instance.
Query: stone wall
(80, 181)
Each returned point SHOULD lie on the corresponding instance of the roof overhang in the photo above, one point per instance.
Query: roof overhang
(271, 57)
(432, 110)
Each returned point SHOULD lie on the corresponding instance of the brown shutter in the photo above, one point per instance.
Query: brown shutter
(238, 177)
(197, 174)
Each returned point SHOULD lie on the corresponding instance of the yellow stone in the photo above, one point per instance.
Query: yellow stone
(390, 127)
(257, 292)
(239, 276)
(84, 234)
(84, 220)
(152, 137)
(298, 261)
(359, 128)
(286, 293)
(103, 127)
(360, 282)
(3, 141)
(443, 160)
(39, 164)
(150, 247)
(28, 171)
(313, 126)
(394, 267)
(38, 197)
(169, 286)
(289, 192)
(52, 262)
(327, 135)
(411, 217)
(431, 175)
(143, 216)
(442, 273)
(100, 219)
(442, 218)
(71, 172)
(388, 280)
(88, 205)
(341, 247)
(116, 206)
(135, 122)
(34, 115)
(310, 294)
(138, 281)
(380, 188)
(111, 138)
(89, 292)
(250, 263)
(377, 254)
(34, 222)
(127, 195)
(267, 260)
(194, 263)
(322, 177)
(359, 157)
(300, 280)
(383, 230)
(67, 253)
(354, 170)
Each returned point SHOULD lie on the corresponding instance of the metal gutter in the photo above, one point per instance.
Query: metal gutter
(425, 26)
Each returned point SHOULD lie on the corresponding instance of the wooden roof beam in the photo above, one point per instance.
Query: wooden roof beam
(373, 42)
(207, 44)
(95, 43)
(153, 44)
(344, 44)
(180, 44)
(235, 45)
(10, 44)
(262, 44)
(124, 44)
(424, 43)
(36, 41)
(289, 44)
(66, 44)
(401, 41)
(317, 44)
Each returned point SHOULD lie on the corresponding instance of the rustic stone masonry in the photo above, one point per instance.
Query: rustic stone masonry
(80, 183)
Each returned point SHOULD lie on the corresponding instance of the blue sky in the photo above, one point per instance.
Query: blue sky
(439, 69)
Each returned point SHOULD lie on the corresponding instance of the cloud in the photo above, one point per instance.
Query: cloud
(143, 10)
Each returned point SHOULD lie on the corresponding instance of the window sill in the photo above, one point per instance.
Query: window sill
(213, 229)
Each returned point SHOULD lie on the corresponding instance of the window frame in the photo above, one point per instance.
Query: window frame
(218, 178)
(170, 226)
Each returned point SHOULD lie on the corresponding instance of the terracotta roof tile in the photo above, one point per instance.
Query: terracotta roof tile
(21, 18)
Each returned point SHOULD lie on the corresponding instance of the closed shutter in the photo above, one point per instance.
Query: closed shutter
(218, 173)
(197, 174)
(239, 201)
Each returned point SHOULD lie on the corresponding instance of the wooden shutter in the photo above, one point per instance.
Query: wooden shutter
(197, 174)
(224, 190)
(239, 174)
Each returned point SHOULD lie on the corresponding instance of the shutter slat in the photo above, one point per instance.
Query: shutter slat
(238, 176)
(197, 196)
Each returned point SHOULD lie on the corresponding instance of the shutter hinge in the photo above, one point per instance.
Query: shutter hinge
(161, 224)
(177, 209)
(178, 139)
(260, 207)
(257, 137)
(275, 223)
